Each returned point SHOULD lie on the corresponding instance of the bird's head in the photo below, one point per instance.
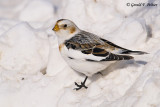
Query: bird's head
(65, 29)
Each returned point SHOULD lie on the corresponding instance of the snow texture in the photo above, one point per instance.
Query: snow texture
(33, 73)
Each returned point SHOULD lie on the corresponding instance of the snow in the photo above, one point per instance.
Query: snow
(33, 73)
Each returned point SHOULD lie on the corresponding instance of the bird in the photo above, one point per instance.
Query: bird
(86, 52)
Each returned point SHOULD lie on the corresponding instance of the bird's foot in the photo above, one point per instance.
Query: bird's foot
(81, 85)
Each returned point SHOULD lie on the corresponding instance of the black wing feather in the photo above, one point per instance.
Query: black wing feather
(91, 44)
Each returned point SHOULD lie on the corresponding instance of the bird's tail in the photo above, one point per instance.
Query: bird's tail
(133, 52)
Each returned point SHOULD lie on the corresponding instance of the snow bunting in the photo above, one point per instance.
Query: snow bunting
(86, 52)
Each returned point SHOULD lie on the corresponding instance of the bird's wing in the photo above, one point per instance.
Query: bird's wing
(120, 50)
(92, 48)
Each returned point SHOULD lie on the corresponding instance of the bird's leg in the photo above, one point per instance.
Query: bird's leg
(81, 85)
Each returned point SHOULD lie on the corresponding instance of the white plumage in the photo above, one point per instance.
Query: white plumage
(80, 64)
(86, 52)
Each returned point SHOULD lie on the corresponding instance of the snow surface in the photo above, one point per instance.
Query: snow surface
(33, 74)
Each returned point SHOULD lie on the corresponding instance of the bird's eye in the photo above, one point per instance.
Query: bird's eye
(65, 25)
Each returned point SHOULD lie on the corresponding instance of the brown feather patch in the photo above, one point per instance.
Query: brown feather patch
(72, 30)
(87, 51)
(60, 47)
(99, 52)
(109, 47)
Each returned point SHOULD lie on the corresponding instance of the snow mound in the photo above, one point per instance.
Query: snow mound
(33, 73)
(23, 50)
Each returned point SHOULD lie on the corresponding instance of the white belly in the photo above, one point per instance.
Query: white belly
(80, 64)
(86, 67)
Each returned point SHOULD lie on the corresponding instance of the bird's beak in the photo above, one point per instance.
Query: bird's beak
(56, 27)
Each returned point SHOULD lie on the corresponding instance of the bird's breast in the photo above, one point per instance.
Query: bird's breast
(61, 46)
